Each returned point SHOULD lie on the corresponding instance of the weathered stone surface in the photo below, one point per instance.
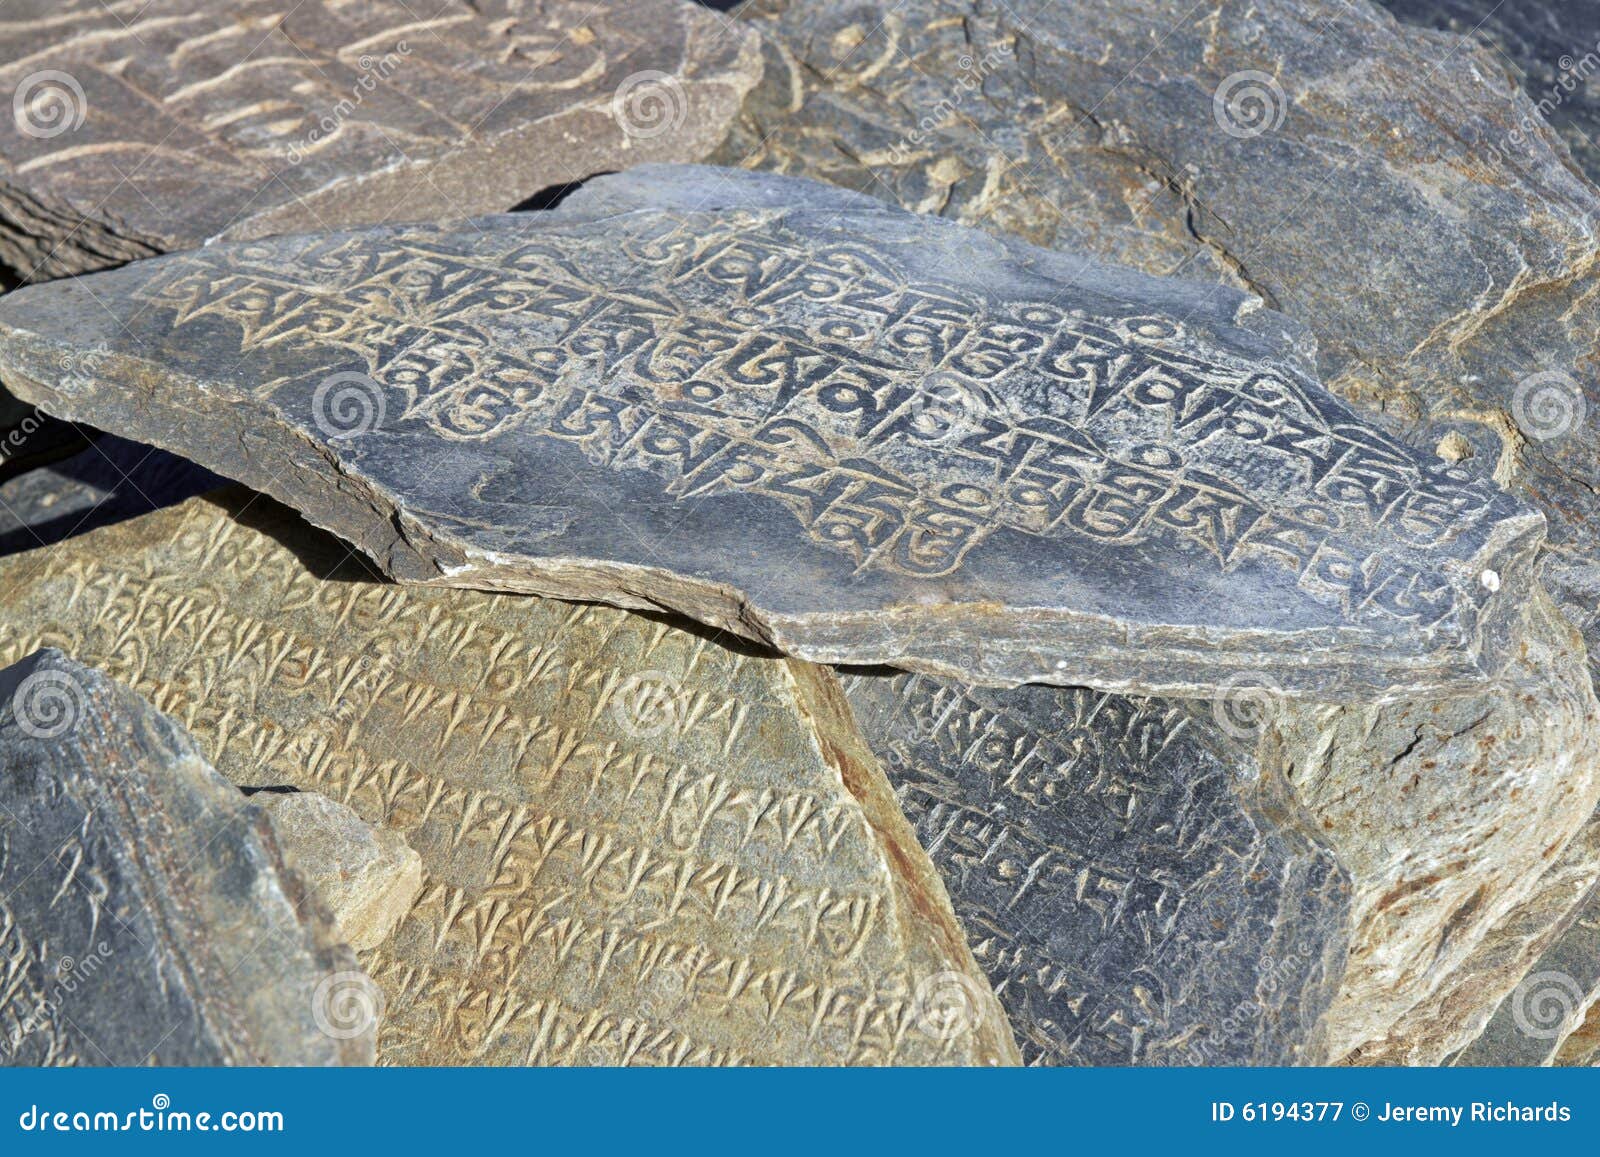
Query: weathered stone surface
(1137, 892)
(1447, 814)
(1400, 198)
(142, 128)
(112, 480)
(638, 846)
(1344, 168)
(810, 418)
(1552, 47)
(1552, 1001)
(1445, 1022)
(366, 876)
(146, 914)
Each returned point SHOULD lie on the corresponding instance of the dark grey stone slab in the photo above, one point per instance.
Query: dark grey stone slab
(1551, 46)
(146, 913)
(1389, 186)
(112, 480)
(810, 418)
(1136, 891)
(142, 127)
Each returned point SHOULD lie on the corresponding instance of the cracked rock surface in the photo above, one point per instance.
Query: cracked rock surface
(1448, 814)
(153, 125)
(146, 911)
(1136, 889)
(1551, 48)
(813, 419)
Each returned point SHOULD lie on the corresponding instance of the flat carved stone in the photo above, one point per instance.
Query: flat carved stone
(143, 126)
(815, 420)
(1136, 891)
(638, 846)
(146, 915)
(1434, 235)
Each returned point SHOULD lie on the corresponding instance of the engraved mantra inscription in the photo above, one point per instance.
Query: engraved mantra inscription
(1122, 898)
(699, 896)
(901, 423)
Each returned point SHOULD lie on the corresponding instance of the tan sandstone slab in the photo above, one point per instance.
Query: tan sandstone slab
(639, 846)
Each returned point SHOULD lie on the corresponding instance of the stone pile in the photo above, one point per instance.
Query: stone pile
(1072, 541)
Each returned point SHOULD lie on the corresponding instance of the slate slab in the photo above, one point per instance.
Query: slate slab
(146, 913)
(815, 420)
(1138, 892)
(1389, 186)
(142, 128)
(639, 847)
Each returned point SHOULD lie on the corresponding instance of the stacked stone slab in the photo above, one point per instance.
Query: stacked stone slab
(158, 126)
(1434, 237)
(148, 916)
(817, 421)
(1332, 795)
(1137, 889)
(140, 128)
(638, 846)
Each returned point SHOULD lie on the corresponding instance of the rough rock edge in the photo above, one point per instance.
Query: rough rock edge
(924, 911)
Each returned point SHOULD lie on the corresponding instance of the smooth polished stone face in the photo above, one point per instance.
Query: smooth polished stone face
(638, 846)
(1430, 232)
(146, 914)
(812, 419)
(1136, 890)
(143, 126)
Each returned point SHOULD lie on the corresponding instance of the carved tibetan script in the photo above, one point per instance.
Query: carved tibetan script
(895, 413)
(1135, 892)
(638, 846)
(150, 125)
